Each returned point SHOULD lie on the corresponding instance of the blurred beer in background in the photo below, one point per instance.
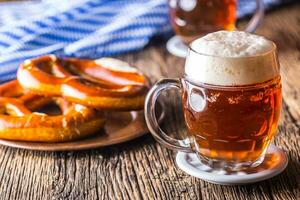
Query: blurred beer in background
(192, 18)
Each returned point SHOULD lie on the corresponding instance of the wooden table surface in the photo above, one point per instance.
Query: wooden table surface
(143, 169)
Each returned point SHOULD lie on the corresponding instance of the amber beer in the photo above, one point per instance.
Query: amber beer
(231, 99)
(238, 123)
(191, 18)
(232, 96)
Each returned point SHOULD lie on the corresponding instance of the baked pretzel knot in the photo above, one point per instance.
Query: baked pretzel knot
(105, 83)
(18, 122)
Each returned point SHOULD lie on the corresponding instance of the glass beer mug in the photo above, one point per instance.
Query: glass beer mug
(231, 103)
(193, 18)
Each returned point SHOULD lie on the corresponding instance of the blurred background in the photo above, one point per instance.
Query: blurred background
(97, 28)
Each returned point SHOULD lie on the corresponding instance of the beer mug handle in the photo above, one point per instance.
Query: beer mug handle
(257, 17)
(157, 132)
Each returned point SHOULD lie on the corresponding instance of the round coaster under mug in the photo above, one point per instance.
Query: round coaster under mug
(176, 47)
(274, 163)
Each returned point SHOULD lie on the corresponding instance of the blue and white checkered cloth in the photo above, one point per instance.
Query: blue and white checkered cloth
(83, 28)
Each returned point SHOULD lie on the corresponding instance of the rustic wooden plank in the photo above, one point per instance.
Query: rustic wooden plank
(25, 174)
(143, 169)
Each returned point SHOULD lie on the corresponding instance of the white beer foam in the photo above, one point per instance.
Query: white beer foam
(231, 58)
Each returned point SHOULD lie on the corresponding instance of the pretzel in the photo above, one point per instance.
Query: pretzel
(105, 83)
(13, 90)
(18, 122)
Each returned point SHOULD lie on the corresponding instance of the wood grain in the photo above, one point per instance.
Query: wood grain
(142, 169)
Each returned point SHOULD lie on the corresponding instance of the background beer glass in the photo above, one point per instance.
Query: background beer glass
(193, 18)
(231, 103)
